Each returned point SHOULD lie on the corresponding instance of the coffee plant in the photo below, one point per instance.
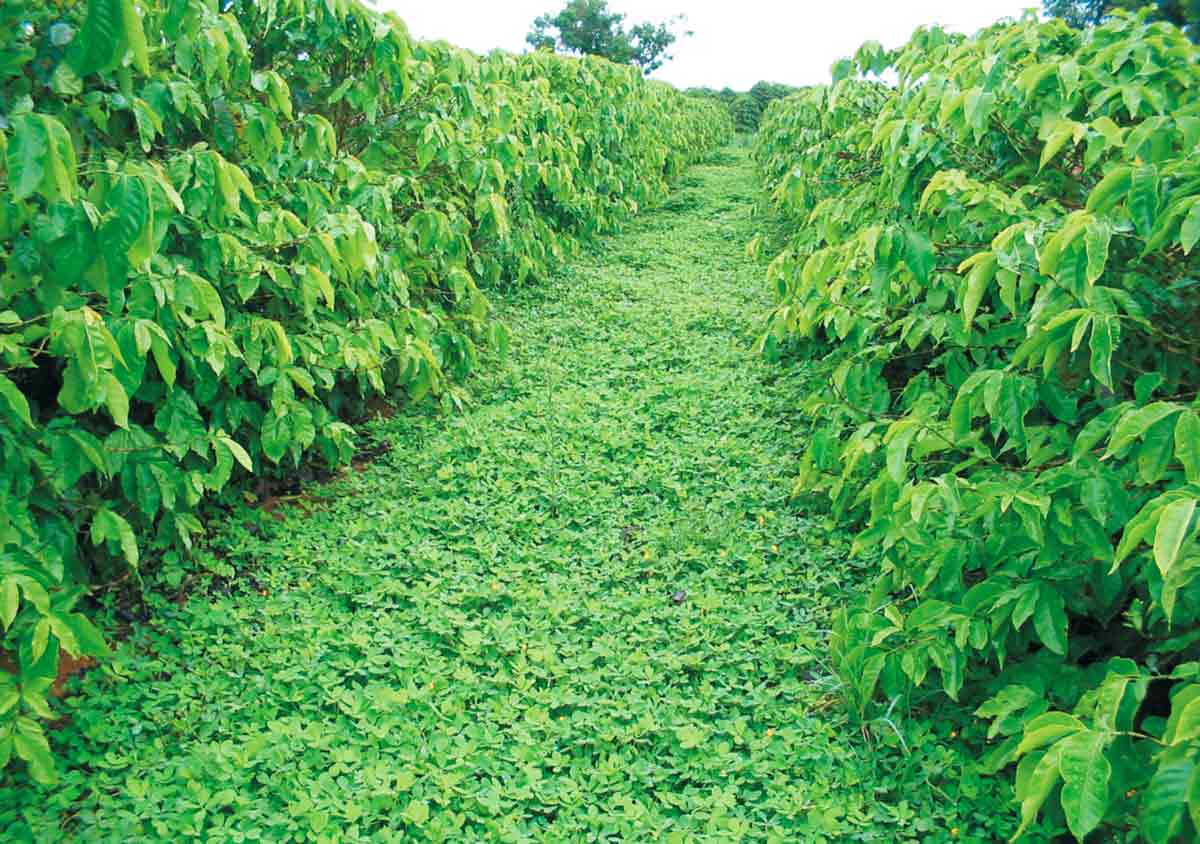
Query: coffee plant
(994, 265)
(222, 228)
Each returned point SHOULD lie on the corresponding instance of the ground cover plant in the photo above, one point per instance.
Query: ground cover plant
(993, 267)
(223, 229)
(582, 609)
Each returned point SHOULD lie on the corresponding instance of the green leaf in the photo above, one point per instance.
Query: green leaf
(1174, 527)
(319, 280)
(1144, 199)
(1057, 140)
(40, 640)
(1187, 445)
(102, 41)
(690, 736)
(1111, 189)
(1165, 798)
(417, 812)
(1054, 247)
(980, 277)
(91, 642)
(1050, 620)
(1036, 778)
(135, 36)
(107, 525)
(1104, 338)
(10, 698)
(1095, 430)
(116, 399)
(1189, 232)
(1086, 772)
(130, 203)
(27, 152)
(1136, 531)
(10, 601)
(1193, 798)
(275, 436)
(1013, 403)
(1047, 729)
(29, 742)
(1099, 235)
(901, 437)
(919, 254)
(1184, 721)
(16, 401)
(1136, 423)
(211, 300)
(163, 360)
(41, 159)
(240, 454)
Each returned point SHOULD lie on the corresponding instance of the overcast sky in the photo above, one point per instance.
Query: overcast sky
(736, 42)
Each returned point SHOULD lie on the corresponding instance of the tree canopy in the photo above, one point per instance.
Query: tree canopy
(589, 27)
(1081, 13)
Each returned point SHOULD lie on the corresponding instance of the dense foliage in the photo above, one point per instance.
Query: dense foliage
(222, 229)
(995, 264)
(1081, 13)
(590, 28)
(746, 107)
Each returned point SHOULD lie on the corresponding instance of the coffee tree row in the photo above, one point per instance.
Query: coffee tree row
(222, 228)
(994, 266)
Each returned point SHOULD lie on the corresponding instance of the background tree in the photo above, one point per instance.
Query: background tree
(1081, 13)
(591, 28)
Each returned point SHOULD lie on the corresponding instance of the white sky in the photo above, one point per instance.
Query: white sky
(736, 42)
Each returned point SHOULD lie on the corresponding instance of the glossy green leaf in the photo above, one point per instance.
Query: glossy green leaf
(103, 40)
(107, 525)
(1050, 621)
(1036, 778)
(1165, 800)
(1174, 528)
(15, 400)
(1086, 773)
(919, 254)
(1111, 189)
(1189, 231)
(1187, 444)
(1098, 238)
(1103, 342)
(1144, 199)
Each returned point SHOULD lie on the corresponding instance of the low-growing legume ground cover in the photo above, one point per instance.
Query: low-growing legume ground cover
(582, 610)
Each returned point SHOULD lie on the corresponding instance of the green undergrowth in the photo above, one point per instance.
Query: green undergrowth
(583, 610)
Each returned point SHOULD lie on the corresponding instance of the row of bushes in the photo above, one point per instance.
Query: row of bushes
(992, 268)
(745, 107)
(223, 228)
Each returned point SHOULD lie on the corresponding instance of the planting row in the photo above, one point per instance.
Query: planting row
(992, 265)
(221, 232)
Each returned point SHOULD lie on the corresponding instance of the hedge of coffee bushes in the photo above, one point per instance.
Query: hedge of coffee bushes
(992, 268)
(223, 227)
